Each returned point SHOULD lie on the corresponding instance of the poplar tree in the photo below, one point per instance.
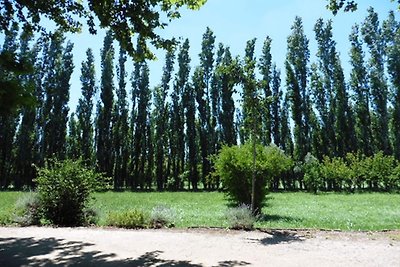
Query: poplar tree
(323, 85)
(203, 100)
(215, 96)
(177, 114)
(58, 69)
(392, 40)
(229, 73)
(372, 34)
(8, 120)
(191, 135)
(104, 141)
(161, 119)
(296, 66)
(360, 86)
(84, 109)
(265, 66)
(72, 138)
(25, 137)
(120, 128)
(141, 131)
(276, 94)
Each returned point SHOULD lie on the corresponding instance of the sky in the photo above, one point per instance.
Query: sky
(234, 22)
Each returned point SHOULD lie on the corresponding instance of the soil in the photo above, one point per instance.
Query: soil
(41, 246)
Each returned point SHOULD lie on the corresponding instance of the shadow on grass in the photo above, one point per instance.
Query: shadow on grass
(277, 218)
(60, 252)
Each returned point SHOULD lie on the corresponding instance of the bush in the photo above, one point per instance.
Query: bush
(64, 189)
(234, 165)
(162, 216)
(5, 219)
(128, 219)
(240, 218)
(27, 210)
(312, 173)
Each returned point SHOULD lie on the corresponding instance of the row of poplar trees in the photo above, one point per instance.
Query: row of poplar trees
(163, 137)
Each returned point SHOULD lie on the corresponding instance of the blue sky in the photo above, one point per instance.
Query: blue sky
(236, 21)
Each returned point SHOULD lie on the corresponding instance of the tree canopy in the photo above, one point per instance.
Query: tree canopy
(125, 19)
(346, 5)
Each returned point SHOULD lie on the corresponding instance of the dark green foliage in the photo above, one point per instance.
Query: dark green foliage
(235, 167)
(64, 189)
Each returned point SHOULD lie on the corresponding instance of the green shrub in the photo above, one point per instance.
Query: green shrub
(128, 219)
(336, 172)
(240, 218)
(64, 189)
(5, 219)
(27, 210)
(312, 173)
(162, 216)
(380, 170)
(234, 165)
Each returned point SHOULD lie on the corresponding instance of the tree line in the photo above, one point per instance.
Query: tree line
(164, 137)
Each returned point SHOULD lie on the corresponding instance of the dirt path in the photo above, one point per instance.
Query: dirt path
(34, 246)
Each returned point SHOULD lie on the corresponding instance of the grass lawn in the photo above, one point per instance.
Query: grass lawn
(364, 211)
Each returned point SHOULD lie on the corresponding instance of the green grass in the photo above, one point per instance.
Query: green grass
(364, 211)
(192, 209)
(7, 203)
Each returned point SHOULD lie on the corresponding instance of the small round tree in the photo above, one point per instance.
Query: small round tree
(234, 165)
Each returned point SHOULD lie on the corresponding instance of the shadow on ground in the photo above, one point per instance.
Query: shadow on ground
(59, 252)
(276, 237)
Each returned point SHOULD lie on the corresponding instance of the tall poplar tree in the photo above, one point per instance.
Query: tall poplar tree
(25, 137)
(161, 119)
(323, 85)
(203, 100)
(360, 86)
(276, 94)
(8, 120)
(265, 65)
(296, 66)
(372, 34)
(392, 41)
(141, 132)
(104, 141)
(177, 114)
(58, 70)
(120, 129)
(84, 109)
(229, 73)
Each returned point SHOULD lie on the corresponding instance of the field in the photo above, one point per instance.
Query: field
(348, 212)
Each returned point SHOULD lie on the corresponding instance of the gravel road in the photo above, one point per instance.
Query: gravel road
(40, 246)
